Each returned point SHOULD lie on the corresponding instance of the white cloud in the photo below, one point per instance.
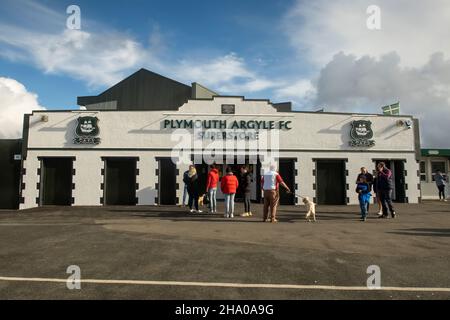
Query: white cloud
(103, 57)
(413, 29)
(226, 74)
(365, 84)
(15, 102)
(361, 70)
(98, 59)
(38, 36)
(301, 92)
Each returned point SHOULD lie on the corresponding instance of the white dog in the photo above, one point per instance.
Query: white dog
(310, 209)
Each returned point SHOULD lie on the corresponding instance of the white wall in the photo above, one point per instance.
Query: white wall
(143, 129)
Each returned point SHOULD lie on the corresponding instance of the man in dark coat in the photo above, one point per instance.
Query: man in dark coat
(246, 186)
(384, 189)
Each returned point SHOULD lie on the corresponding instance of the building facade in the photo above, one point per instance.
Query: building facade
(112, 154)
(118, 156)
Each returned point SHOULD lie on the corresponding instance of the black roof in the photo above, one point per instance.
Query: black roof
(143, 90)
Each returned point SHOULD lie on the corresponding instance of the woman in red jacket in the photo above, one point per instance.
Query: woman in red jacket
(229, 185)
(211, 188)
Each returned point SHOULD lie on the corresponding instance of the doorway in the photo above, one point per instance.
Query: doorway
(167, 181)
(287, 172)
(10, 173)
(56, 181)
(331, 182)
(236, 168)
(253, 168)
(120, 181)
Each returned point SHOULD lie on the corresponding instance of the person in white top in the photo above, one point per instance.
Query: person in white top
(270, 182)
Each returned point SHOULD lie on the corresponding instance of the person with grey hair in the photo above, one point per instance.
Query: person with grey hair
(270, 182)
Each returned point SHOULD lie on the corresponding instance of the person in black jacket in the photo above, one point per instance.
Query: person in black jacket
(246, 184)
(192, 184)
(384, 189)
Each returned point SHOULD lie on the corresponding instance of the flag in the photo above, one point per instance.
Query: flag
(393, 109)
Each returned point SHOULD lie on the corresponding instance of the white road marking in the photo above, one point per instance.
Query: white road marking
(38, 224)
(230, 285)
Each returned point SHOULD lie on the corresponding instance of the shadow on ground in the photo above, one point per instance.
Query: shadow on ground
(427, 232)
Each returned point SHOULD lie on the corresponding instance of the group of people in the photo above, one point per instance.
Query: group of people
(382, 186)
(229, 185)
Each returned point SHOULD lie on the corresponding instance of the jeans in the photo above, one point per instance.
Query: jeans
(364, 205)
(441, 192)
(229, 203)
(185, 194)
(247, 202)
(386, 202)
(212, 199)
(193, 200)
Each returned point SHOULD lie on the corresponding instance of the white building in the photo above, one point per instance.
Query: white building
(120, 150)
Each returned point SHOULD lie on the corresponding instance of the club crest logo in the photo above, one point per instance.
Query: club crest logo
(86, 131)
(361, 134)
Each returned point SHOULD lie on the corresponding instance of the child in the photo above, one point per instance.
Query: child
(364, 195)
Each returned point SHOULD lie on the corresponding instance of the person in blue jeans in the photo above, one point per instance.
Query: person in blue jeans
(185, 191)
(364, 195)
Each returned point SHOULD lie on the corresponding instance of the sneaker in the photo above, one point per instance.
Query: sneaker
(199, 211)
(245, 214)
(393, 215)
(250, 214)
(231, 215)
(445, 200)
(380, 213)
(274, 220)
(192, 211)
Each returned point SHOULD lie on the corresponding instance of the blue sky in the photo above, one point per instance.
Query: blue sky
(317, 54)
(200, 30)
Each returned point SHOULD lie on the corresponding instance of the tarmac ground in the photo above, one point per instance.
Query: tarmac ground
(162, 252)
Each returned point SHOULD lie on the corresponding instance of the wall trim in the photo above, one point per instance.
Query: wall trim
(234, 150)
